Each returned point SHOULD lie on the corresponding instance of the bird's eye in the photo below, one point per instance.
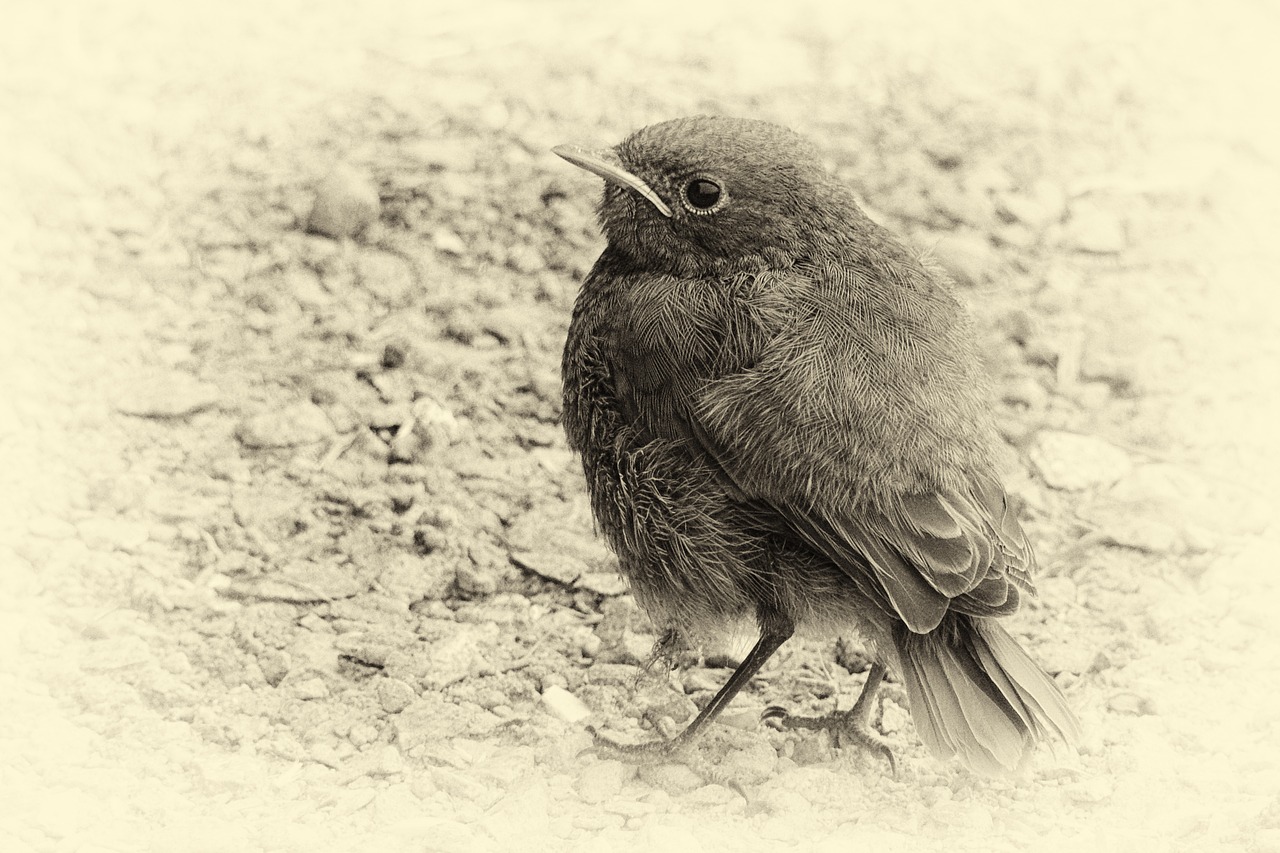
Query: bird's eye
(702, 193)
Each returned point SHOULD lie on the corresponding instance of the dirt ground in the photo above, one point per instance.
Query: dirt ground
(295, 557)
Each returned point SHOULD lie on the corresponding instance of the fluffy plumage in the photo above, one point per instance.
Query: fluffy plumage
(781, 417)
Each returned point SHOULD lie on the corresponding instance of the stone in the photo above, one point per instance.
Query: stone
(346, 202)
(1073, 462)
(301, 581)
(968, 257)
(1094, 230)
(395, 695)
(603, 780)
(448, 242)
(564, 705)
(290, 426)
(165, 394)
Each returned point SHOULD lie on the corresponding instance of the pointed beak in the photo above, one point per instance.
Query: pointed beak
(606, 164)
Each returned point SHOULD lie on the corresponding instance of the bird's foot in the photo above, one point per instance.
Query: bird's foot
(648, 752)
(672, 751)
(845, 726)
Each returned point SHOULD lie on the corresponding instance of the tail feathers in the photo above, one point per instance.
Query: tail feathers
(976, 694)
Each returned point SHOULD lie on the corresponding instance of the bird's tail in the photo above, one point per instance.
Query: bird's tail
(975, 693)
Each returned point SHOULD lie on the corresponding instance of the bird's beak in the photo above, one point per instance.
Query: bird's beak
(606, 164)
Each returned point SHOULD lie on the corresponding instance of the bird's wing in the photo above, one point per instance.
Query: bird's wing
(853, 428)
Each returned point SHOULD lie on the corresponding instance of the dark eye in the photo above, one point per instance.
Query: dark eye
(702, 193)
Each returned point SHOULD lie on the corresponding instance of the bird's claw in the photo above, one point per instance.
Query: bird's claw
(842, 725)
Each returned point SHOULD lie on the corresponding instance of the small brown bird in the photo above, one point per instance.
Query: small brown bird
(781, 419)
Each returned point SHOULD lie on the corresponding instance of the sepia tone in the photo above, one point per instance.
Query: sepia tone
(295, 554)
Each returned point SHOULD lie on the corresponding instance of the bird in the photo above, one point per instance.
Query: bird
(783, 423)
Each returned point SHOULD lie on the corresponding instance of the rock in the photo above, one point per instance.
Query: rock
(1119, 373)
(815, 749)
(665, 836)
(1142, 534)
(431, 428)
(566, 526)
(451, 155)
(432, 720)
(603, 780)
(302, 581)
(270, 510)
(477, 575)
(298, 424)
(1148, 509)
(601, 583)
(675, 779)
(411, 578)
(461, 786)
(1131, 704)
(968, 257)
(552, 565)
(778, 800)
(1073, 657)
(110, 534)
(1025, 391)
(395, 695)
(311, 688)
(448, 242)
(275, 665)
(664, 708)
(710, 795)
(1094, 230)
(1018, 236)
(1057, 591)
(1073, 462)
(1089, 791)
(165, 394)
(962, 205)
(702, 679)
(525, 259)
(751, 760)
(346, 202)
(637, 647)
(967, 815)
(563, 704)
(1043, 204)
(451, 656)
(618, 674)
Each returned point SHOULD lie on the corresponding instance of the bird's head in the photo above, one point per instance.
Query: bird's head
(689, 195)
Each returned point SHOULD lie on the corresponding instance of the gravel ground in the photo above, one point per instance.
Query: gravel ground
(295, 556)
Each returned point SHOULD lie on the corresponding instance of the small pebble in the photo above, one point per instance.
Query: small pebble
(448, 242)
(311, 688)
(1073, 462)
(969, 258)
(1089, 791)
(603, 780)
(362, 734)
(563, 704)
(967, 815)
(290, 426)
(166, 394)
(346, 202)
(781, 801)
(1132, 704)
(675, 779)
(1094, 230)
(395, 695)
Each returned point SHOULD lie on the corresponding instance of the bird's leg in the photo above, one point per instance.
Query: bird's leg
(774, 632)
(854, 724)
